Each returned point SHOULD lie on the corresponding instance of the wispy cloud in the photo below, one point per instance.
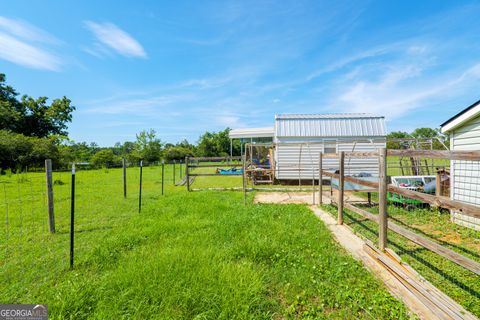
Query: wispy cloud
(111, 36)
(24, 44)
(401, 90)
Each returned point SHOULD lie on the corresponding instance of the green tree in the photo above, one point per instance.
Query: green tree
(33, 117)
(18, 151)
(177, 153)
(148, 146)
(393, 136)
(104, 158)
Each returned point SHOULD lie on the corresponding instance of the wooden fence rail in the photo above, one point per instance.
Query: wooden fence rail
(451, 255)
(437, 201)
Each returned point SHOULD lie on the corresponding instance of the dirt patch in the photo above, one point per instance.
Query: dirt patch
(300, 197)
(287, 197)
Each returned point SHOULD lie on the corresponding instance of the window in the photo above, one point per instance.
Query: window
(330, 147)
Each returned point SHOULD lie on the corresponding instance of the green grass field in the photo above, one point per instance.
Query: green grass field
(198, 255)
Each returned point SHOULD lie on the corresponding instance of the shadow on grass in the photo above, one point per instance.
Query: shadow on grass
(445, 243)
(414, 254)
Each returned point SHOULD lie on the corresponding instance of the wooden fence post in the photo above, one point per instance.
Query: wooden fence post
(320, 179)
(382, 199)
(438, 184)
(51, 215)
(174, 163)
(244, 187)
(341, 187)
(124, 166)
(187, 176)
(140, 188)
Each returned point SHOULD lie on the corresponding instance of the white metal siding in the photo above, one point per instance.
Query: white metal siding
(465, 175)
(294, 153)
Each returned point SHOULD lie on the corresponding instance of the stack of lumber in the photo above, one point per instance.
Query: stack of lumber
(428, 296)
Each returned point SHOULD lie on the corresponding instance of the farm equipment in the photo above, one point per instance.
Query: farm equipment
(425, 184)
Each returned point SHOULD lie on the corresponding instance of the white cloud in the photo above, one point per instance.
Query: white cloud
(398, 92)
(115, 38)
(22, 44)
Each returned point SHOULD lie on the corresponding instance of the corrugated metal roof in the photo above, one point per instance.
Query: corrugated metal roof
(329, 125)
(251, 133)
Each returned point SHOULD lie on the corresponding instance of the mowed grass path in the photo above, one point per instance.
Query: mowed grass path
(199, 255)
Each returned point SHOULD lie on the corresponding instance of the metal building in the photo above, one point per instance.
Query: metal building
(299, 139)
(464, 131)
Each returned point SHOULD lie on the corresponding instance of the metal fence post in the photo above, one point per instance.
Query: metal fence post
(140, 191)
(72, 216)
(124, 166)
(382, 199)
(320, 180)
(51, 215)
(341, 187)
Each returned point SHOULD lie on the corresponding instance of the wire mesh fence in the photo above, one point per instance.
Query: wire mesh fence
(26, 241)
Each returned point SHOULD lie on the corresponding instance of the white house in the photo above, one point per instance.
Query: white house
(464, 131)
(298, 139)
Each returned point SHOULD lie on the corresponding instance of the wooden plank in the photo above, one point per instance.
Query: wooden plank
(382, 199)
(353, 154)
(215, 158)
(451, 255)
(341, 187)
(433, 302)
(437, 201)
(437, 154)
(51, 214)
(226, 165)
(213, 175)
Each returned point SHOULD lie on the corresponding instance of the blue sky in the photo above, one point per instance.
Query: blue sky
(184, 67)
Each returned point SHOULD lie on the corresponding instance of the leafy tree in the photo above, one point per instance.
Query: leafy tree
(213, 144)
(33, 117)
(18, 151)
(148, 146)
(104, 158)
(391, 144)
(177, 153)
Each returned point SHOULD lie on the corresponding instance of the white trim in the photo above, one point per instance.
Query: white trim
(461, 119)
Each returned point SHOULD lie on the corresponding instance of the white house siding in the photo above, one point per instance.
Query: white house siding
(465, 175)
(297, 157)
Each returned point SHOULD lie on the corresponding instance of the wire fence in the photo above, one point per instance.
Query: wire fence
(26, 240)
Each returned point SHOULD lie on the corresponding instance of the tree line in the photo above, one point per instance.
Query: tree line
(32, 130)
